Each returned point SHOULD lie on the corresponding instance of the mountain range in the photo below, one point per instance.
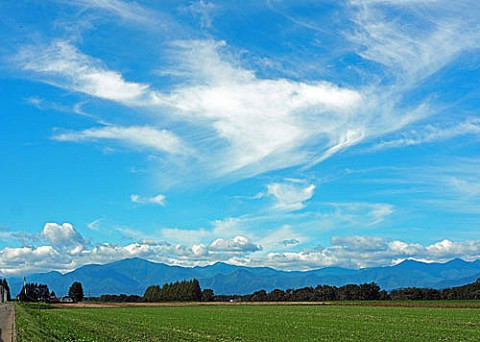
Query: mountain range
(133, 276)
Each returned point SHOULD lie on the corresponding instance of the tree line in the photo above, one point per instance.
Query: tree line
(367, 291)
(179, 291)
(465, 292)
(190, 291)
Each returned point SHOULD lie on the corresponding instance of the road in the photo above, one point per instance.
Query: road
(7, 323)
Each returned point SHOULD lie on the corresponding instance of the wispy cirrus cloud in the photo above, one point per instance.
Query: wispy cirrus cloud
(159, 199)
(263, 121)
(140, 137)
(431, 134)
(60, 63)
(412, 50)
(246, 124)
(129, 11)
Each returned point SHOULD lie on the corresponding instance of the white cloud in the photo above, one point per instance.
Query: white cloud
(241, 124)
(61, 235)
(422, 37)
(431, 134)
(237, 244)
(227, 228)
(203, 10)
(130, 11)
(95, 224)
(63, 65)
(290, 196)
(254, 124)
(364, 251)
(290, 242)
(156, 200)
(285, 236)
(67, 252)
(136, 136)
(346, 251)
(360, 243)
(360, 214)
(467, 187)
(200, 250)
(260, 118)
(186, 235)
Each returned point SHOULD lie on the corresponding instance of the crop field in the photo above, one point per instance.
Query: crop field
(249, 323)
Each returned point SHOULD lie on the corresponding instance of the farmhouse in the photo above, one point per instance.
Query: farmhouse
(3, 294)
(66, 299)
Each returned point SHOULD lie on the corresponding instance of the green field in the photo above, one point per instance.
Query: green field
(249, 323)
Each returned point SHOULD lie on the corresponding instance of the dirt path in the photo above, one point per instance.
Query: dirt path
(7, 323)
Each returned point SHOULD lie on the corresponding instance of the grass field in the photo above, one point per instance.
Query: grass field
(250, 323)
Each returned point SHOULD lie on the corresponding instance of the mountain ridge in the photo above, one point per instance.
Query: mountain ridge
(134, 275)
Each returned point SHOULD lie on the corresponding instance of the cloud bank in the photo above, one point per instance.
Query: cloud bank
(66, 250)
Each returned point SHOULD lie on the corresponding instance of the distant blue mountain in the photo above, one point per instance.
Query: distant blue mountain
(133, 276)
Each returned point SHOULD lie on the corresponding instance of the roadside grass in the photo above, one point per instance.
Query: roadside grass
(344, 322)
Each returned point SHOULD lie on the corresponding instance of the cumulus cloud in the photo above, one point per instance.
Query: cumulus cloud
(290, 242)
(237, 244)
(156, 200)
(366, 251)
(290, 196)
(61, 235)
(348, 251)
(67, 250)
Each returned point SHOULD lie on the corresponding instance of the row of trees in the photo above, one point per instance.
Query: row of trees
(4, 283)
(466, 292)
(370, 291)
(189, 290)
(180, 291)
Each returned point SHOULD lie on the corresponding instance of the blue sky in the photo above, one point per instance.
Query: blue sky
(291, 134)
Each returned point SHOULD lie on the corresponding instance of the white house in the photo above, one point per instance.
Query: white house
(3, 294)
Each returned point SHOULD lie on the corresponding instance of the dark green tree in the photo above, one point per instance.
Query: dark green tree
(34, 293)
(208, 295)
(259, 296)
(76, 292)
(276, 295)
(196, 290)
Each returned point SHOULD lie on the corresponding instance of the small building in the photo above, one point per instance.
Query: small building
(54, 299)
(66, 299)
(3, 294)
